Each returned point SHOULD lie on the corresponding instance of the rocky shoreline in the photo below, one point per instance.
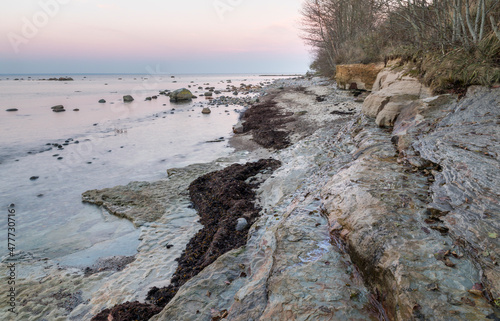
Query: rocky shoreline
(388, 217)
(382, 210)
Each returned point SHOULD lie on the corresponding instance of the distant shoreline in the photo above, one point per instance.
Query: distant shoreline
(146, 73)
(283, 75)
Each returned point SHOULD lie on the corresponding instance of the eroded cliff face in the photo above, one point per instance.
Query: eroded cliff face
(363, 222)
(357, 76)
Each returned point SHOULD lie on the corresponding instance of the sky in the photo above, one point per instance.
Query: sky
(132, 36)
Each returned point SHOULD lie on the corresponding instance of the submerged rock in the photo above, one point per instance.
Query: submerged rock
(134, 202)
(114, 263)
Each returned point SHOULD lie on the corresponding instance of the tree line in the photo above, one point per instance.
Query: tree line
(363, 31)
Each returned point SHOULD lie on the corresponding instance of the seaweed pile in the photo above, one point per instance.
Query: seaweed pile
(221, 198)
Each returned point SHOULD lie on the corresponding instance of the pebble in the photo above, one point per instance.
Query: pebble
(241, 224)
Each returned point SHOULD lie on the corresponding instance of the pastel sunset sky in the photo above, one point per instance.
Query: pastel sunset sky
(128, 36)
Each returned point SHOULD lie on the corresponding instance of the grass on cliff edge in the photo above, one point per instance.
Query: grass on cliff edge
(456, 69)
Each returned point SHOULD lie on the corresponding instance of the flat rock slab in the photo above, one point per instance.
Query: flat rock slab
(382, 208)
(466, 192)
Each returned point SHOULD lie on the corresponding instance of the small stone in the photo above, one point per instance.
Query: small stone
(12, 109)
(102, 101)
(206, 111)
(241, 224)
(34, 178)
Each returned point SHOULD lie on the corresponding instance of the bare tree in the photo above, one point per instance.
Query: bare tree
(344, 31)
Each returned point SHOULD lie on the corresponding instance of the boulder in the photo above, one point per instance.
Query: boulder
(392, 92)
(58, 108)
(182, 94)
(128, 98)
(357, 76)
(206, 111)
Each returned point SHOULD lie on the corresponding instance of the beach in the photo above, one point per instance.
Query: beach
(317, 213)
(82, 290)
(102, 145)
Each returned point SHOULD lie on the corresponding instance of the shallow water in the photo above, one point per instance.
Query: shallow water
(117, 143)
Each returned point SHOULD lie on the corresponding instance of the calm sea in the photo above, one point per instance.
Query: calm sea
(103, 145)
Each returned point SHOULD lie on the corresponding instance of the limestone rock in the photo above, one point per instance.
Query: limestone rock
(395, 92)
(381, 209)
(465, 145)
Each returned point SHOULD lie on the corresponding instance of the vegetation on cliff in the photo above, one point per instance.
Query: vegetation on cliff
(450, 43)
